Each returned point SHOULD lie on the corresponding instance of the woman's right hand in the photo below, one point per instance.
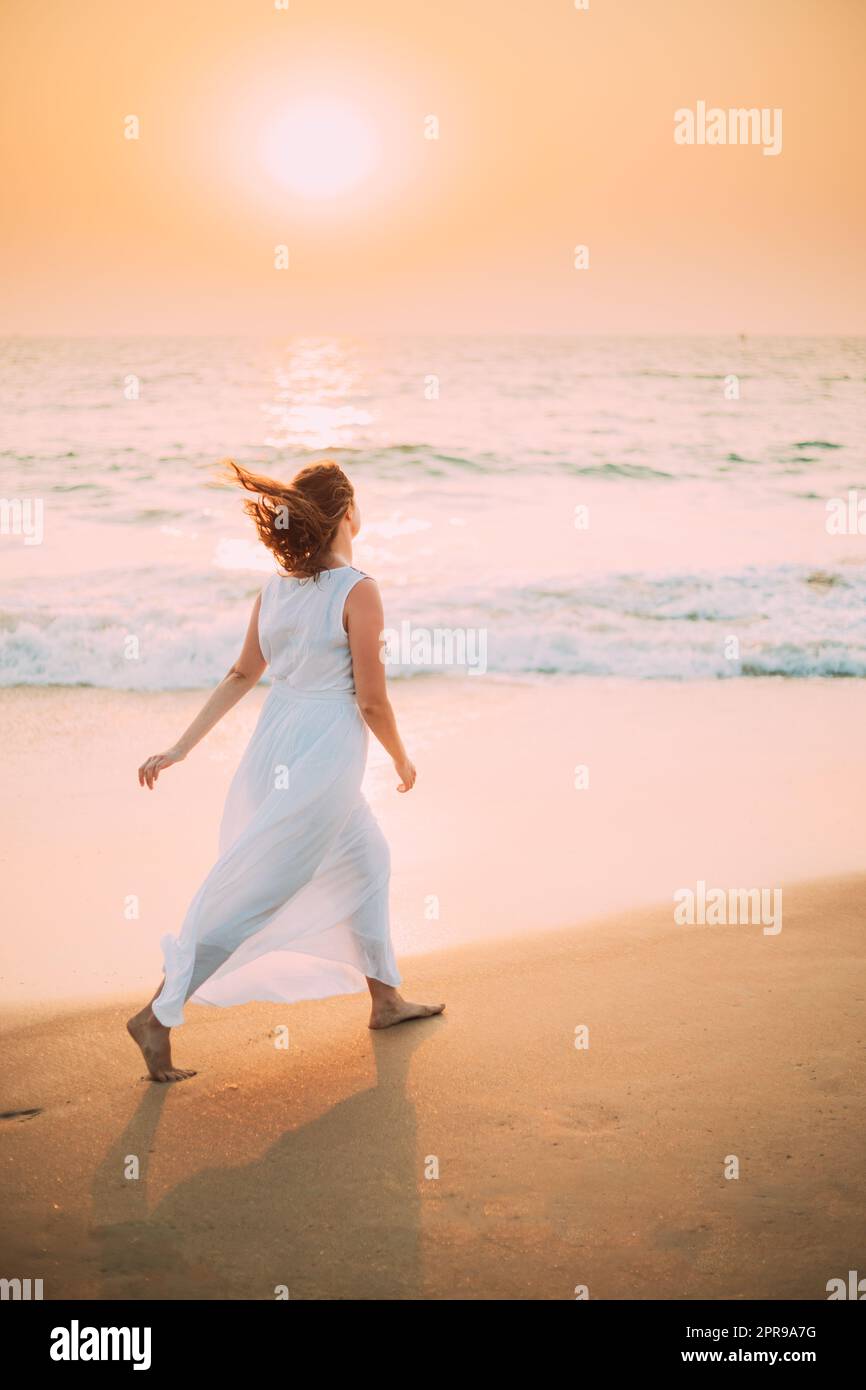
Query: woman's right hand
(406, 772)
(154, 765)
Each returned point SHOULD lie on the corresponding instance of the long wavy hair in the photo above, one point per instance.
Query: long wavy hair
(298, 520)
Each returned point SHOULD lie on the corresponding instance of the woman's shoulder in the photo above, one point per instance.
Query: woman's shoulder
(348, 576)
(361, 593)
(270, 584)
(357, 576)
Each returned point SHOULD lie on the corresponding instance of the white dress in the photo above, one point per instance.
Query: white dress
(296, 906)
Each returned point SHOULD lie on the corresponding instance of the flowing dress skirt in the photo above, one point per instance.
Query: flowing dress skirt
(296, 906)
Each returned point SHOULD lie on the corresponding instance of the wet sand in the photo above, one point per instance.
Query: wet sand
(480, 1155)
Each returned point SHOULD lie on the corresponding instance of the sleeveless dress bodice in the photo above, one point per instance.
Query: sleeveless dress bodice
(301, 631)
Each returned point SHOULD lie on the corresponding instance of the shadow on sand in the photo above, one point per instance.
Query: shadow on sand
(331, 1210)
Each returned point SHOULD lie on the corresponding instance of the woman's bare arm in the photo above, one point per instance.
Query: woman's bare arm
(365, 622)
(246, 672)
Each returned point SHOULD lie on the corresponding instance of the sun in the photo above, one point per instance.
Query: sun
(320, 149)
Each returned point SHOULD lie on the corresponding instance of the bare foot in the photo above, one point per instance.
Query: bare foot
(153, 1039)
(386, 1012)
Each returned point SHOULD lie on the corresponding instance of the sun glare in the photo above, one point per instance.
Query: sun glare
(320, 149)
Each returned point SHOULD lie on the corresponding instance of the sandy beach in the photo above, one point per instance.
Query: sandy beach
(314, 1166)
(733, 782)
(309, 1167)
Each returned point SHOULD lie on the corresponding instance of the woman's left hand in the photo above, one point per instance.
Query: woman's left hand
(154, 765)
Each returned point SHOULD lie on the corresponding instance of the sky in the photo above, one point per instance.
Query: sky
(306, 128)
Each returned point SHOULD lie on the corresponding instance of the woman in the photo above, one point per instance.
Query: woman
(296, 906)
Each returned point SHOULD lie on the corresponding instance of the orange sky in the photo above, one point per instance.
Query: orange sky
(556, 128)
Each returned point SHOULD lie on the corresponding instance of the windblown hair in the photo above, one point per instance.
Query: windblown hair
(298, 520)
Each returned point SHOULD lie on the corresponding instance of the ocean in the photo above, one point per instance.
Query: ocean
(642, 508)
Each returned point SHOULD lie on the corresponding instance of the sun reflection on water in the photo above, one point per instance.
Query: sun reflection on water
(312, 403)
